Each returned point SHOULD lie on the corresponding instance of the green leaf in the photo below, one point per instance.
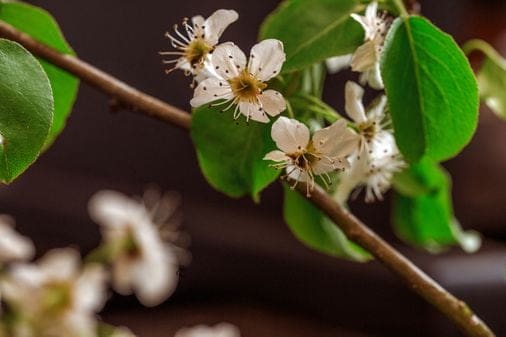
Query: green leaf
(491, 76)
(318, 232)
(313, 31)
(26, 109)
(40, 25)
(427, 219)
(431, 89)
(230, 153)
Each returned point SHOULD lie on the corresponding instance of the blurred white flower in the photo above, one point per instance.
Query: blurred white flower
(55, 297)
(197, 40)
(242, 83)
(304, 158)
(377, 158)
(13, 246)
(337, 63)
(366, 58)
(142, 262)
(219, 330)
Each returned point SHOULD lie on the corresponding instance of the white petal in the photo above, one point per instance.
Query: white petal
(298, 174)
(90, 291)
(266, 59)
(353, 102)
(337, 63)
(110, 208)
(277, 156)
(60, 264)
(220, 330)
(210, 90)
(365, 57)
(377, 112)
(228, 60)
(371, 11)
(216, 24)
(326, 165)
(272, 102)
(290, 135)
(336, 140)
(374, 77)
(12, 245)
(253, 111)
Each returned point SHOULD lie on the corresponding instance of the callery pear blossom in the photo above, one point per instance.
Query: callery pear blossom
(377, 158)
(55, 297)
(241, 83)
(219, 330)
(303, 157)
(196, 40)
(13, 246)
(142, 263)
(366, 58)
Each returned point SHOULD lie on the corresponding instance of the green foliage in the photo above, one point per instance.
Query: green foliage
(424, 215)
(491, 76)
(315, 230)
(41, 26)
(230, 153)
(26, 109)
(313, 31)
(432, 92)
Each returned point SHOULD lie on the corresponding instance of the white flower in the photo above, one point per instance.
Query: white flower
(197, 40)
(13, 247)
(142, 262)
(219, 330)
(304, 157)
(377, 157)
(366, 58)
(242, 83)
(55, 297)
(337, 63)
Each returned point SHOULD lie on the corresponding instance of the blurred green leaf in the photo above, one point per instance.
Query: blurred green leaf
(41, 26)
(318, 232)
(26, 109)
(313, 31)
(230, 153)
(427, 219)
(491, 76)
(431, 89)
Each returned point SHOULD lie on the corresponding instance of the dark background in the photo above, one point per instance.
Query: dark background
(247, 268)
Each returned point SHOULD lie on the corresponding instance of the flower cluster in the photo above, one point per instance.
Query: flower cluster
(60, 296)
(362, 151)
(224, 75)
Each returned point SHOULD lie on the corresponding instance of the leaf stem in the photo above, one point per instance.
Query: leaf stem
(399, 4)
(417, 280)
(484, 47)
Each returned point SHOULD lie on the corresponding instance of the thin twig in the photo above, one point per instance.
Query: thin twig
(417, 280)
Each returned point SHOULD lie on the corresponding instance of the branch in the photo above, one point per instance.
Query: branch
(355, 230)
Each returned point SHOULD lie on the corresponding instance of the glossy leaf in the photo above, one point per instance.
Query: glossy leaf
(230, 153)
(41, 26)
(315, 230)
(26, 109)
(313, 31)
(431, 89)
(427, 219)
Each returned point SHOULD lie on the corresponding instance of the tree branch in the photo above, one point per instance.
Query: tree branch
(355, 230)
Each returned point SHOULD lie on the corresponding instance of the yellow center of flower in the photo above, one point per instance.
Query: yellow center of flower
(246, 87)
(57, 297)
(197, 51)
(368, 130)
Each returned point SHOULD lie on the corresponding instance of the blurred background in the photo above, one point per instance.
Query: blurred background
(247, 268)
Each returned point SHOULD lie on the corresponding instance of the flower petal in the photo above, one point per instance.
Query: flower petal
(210, 90)
(216, 24)
(377, 111)
(336, 141)
(272, 102)
(290, 135)
(277, 156)
(228, 60)
(253, 111)
(266, 59)
(338, 63)
(365, 57)
(353, 102)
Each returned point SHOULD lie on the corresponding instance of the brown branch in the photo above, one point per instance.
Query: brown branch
(355, 230)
